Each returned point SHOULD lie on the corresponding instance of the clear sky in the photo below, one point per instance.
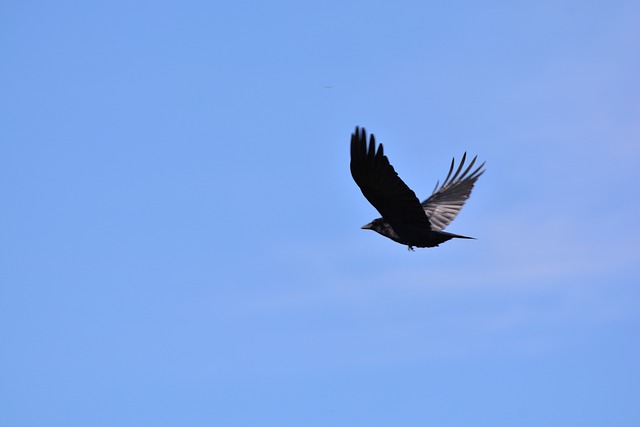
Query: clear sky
(180, 238)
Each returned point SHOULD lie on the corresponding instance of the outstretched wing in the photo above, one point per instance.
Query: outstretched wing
(445, 202)
(381, 185)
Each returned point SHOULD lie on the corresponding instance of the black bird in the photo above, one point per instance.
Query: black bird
(404, 219)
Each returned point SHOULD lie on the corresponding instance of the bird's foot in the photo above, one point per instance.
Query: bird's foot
(410, 248)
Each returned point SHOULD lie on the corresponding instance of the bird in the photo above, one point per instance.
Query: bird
(404, 219)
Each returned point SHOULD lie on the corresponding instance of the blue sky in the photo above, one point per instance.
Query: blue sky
(180, 235)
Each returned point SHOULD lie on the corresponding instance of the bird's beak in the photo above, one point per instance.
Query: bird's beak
(367, 226)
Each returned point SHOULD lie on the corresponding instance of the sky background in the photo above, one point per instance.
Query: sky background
(180, 238)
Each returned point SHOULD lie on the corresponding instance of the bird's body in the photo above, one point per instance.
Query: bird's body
(404, 219)
(411, 235)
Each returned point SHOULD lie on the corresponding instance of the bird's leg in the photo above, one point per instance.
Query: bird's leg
(410, 248)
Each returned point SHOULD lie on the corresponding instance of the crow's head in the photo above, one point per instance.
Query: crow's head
(379, 225)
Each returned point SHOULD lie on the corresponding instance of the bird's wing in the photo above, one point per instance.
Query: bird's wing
(381, 185)
(445, 202)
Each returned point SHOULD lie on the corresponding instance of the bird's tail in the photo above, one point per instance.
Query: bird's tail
(443, 236)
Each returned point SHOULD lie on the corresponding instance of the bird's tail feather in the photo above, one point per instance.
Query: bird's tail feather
(443, 236)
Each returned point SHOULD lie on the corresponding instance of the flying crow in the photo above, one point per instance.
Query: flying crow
(404, 219)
